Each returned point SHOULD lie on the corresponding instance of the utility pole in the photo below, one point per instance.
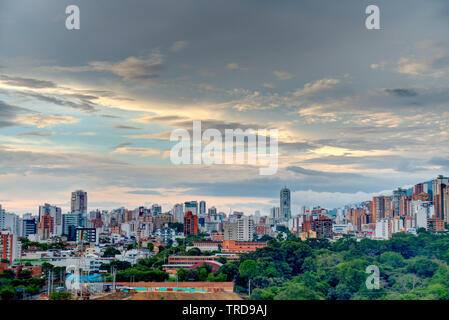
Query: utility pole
(113, 279)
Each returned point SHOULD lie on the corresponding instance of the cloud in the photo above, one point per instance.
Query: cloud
(282, 75)
(119, 126)
(123, 144)
(36, 134)
(27, 82)
(141, 152)
(435, 67)
(178, 46)
(129, 69)
(233, 66)
(88, 133)
(144, 192)
(316, 86)
(42, 121)
(402, 92)
(8, 114)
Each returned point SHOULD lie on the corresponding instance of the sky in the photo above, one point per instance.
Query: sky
(359, 112)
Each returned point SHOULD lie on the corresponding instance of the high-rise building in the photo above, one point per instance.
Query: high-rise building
(190, 223)
(397, 195)
(381, 208)
(245, 229)
(56, 214)
(156, 209)
(191, 206)
(274, 213)
(202, 208)
(9, 246)
(46, 227)
(9, 221)
(285, 211)
(323, 227)
(212, 211)
(241, 230)
(29, 227)
(178, 212)
(79, 202)
(70, 222)
(438, 186)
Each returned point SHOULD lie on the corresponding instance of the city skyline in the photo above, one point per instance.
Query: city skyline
(199, 204)
(359, 112)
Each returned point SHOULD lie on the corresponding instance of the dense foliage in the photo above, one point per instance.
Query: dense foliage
(411, 267)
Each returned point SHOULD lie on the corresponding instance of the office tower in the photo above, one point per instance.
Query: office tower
(156, 209)
(29, 227)
(70, 222)
(9, 247)
(212, 211)
(191, 206)
(381, 208)
(190, 223)
(202, 208)
(79, 202)
(285, 208)
(397, 195)
(438, 186)
(9, 221)
(446, 204)
(274, 213)
(404, 204)
(178, 213)
(46, 226)
(256, 216)
(56, 214)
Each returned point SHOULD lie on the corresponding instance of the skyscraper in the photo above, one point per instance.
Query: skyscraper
(79, 202)
(438, 186)
(202, 208)
(286, 212)
(381, 208)
(191, 206)
(190, 223)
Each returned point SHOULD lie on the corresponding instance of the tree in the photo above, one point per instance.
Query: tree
(297, 291)
(60, 296)
(150, 246)
(194, 252)
(110, 252)
(422, 266)
(230, 270)
(393, 259)
(249, 269)
(7, 293)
